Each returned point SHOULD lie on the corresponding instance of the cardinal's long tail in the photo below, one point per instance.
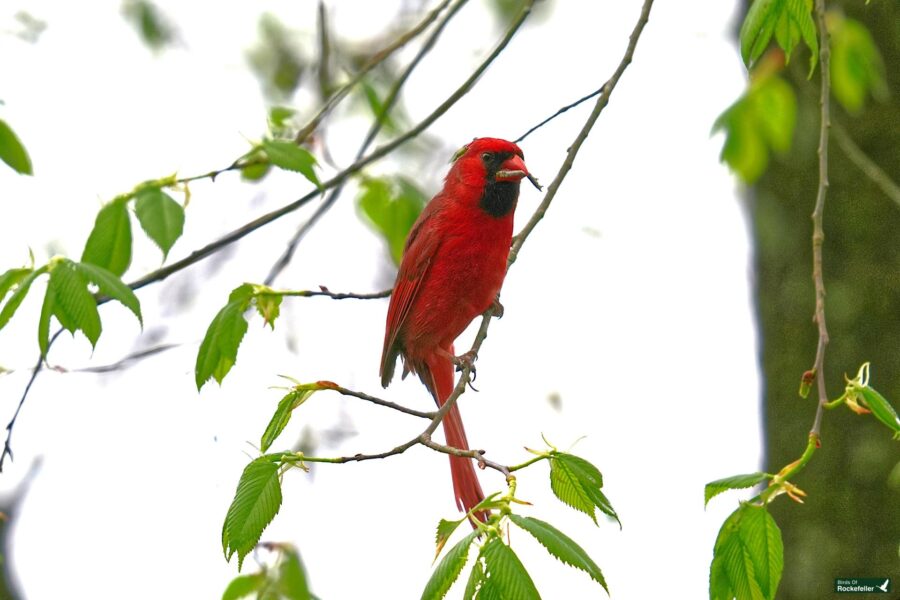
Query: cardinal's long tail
(466, 486)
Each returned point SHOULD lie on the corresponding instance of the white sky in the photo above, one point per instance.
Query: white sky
(631, 301)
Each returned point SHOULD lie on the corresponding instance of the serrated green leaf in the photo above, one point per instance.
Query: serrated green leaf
(268, 305)
(12, 152)
(577, 482)
(757, 28)
(18, 295)
(560, 546)
(10, 279)
(73, 305)
(748, 556)
(445, 529)
(292, 581)
(256, 502)
(735, 482)
(160, 216)
(109, 244)
(857, 68)
(293, 399)
(391, 206)
(110, 285)
(218, 350)
(448, 569)
(507, 573)
(288, 155)
(476, 580)
(789, 20)
(244, 585)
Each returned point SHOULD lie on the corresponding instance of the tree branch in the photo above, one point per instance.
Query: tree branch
(866, 164)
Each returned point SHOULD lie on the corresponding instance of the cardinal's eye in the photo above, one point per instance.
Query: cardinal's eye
(487, 156)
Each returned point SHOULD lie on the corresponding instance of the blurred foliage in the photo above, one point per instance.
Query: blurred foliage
(849, 525)
(391, 206)
(277, 60)
(857, 69)
(12, 152)
(31, 26)
(154, 28)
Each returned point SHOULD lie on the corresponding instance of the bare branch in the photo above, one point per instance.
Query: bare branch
(866, 164)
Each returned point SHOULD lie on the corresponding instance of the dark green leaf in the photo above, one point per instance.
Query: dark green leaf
(445, 529)
(748, 556)
(73, 305)
(18, 295)
(294, 398)
(290, 156)
(244, 585)
(161, 217)
(476, 580)
(735, 482)
(881, 408)
(391, 205)
(218, 350)
(857, 68)
(255, 504)
(109, 245)
(577, 483)
(292, 583)
(448, 569)
(110, 285)
(507, 573)
(12, 152)
(561, 546)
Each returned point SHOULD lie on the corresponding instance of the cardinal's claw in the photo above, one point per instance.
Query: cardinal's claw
(497, 309)
(466, 360)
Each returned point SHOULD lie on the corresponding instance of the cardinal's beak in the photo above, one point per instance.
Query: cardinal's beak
(514, 169)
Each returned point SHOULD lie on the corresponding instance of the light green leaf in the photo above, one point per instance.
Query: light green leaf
(109, 244)
(268, 304)
(18, 295)
(47, 309)
(857, 68)
(448, 569)
(10, 279)
(757, 29)
(255, 504)
(577, 483)
(244, 585)
(881, 408)
(218, 351)
(292, 581)
(73, 305)
(110, 285)
(161, 217)
(294, 398)
(789, 20)
(12, 152)
(391, 206)
(445, 529)
(288, 155)
(748, 556)
(507, 573)
(735, 482)
(561, 546)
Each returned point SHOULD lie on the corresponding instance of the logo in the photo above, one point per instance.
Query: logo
(863, 585)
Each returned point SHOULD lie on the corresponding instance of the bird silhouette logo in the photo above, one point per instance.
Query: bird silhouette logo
(884, 586)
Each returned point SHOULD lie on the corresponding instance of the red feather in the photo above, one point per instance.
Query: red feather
(453, 266)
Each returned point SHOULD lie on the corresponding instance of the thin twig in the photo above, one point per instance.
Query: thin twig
(398, 407)
(329, 294)
(380, 119)
(866, 164)
(818, 236)
(559, 112)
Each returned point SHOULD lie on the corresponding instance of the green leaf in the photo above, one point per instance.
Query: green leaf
(109, 244)
(161, 217)
(376, 105)
(73, 305)
(789, 20)
(507, 573)
(268, 304)
(476, 580)
(288, 155)
(748, 556)
(10, 279)
(735, 482)
(18, 294)
(561, 546)
(47, 309)
(294, 398)
(292, 581)
(244, 585)
(255, 504)
(445, 529)
(881, 408)
(857, 68)
(757, 29)
(110, 285)
(391, 205)
(12, 152)
(448, 569)
(577, 483)
(218, 350)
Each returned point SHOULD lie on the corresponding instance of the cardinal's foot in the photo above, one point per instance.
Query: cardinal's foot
(466, 361)
(497, 308)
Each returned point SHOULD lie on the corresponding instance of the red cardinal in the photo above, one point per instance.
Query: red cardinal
(453, 266)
